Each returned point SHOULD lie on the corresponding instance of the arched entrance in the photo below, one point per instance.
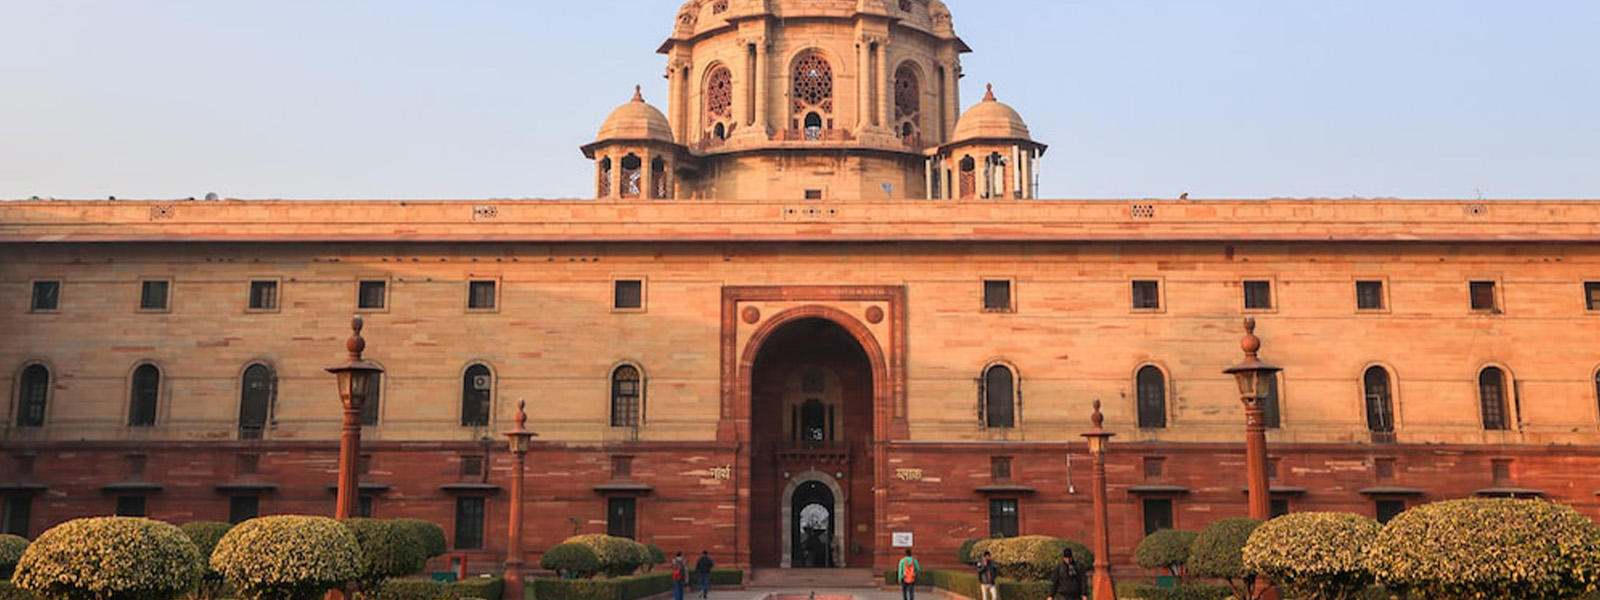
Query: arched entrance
(812, 400)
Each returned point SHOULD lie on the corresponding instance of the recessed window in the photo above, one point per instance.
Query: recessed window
(1483, 296)
(997, 295)
(46, 296)
(33, 397)
(1380, 401)
(1384, 468)
(999, 397)
(1147, 295)
(477, 383)
(1591, 295)
(243, 508)
(481, 295)
(1000, 468)
(364, 464)
(1258, 295)
(246, 464)
(1280, 507)
(1152, 397)
(137, 463)
(627, 393)
(1003, 518)
(1387, 510)
(813, 194)
(1369, 295)
(259, 388)
(1157, 515)
(364, 507)
(1500, 469)
(263, 295)
(469, 523)
(622, 517)
(130, 506)
(1492, 399)
(15, 515)
(621, 467)
(146, 396)
(627, 294)
(1155, 467)
(153, 294)
(372, 295)
(471, 465)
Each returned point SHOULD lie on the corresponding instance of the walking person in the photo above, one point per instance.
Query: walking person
(1069, 581)
(680, 575)
(702, 570)
(908, 576)
(988, 572)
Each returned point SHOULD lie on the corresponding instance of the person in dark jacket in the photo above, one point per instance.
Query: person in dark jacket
(988, 572)
(1069, 581)
(702, 572)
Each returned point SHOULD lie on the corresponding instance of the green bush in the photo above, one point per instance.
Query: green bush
(965, 554)
(1023, 590)
(487, 588)
(732, 577)
(109, 558)
(1187, 591)
(1031, 557)
(618, 556)
(1218, 553)
(616, 588)
(416, 588)
(657, 557)
(288, 557)
(386, 550)
(571, 561)
(429, 534)
(11, 592)
(1314, 555)
(11, 549)
(1489, 548)
(205, 535)
(1166, 549)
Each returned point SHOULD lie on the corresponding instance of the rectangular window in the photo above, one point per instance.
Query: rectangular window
(16, 514)
(1500, 468)
(364, 507)
(243, 508)
(372, 295)
(1385, 468)
(627, 294)
(1591, 295)
(1387, 510)
(24, 465)
(1258, 295)
(153, 294)
(1280, 507)
(1146, 295)
(1155, 467)
(263, 295)
(1000, 468)
(1157, 515)
(1483, 296)
(471, 465)
(137, 464)
(621, 516)
(813, 194)
(247, 464)
(364, 464)
(480, 295)
(1003, 521)
(469, 523)
(130, 506)
(997, 295)
(46, 296)
(621, 467)
(1369, 295)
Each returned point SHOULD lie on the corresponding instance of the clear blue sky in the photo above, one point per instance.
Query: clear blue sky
(481, 98)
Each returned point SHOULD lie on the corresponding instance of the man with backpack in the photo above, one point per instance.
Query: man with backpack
(702, 570)
(1069, 581)
(908, 576)
(680, 575)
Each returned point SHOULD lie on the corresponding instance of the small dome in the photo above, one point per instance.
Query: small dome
(636, 120)
(991, 119)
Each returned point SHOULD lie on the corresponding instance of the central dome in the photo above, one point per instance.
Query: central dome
(991, 119)
(636, 120)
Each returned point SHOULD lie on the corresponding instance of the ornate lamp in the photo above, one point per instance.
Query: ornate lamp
(1097, 438)
(518, 440)
(356, 378)
(1253, 377)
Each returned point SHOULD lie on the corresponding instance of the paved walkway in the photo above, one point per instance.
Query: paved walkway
(857, 593)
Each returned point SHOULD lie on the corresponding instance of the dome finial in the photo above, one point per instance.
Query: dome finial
(638, 93)
(988, 95)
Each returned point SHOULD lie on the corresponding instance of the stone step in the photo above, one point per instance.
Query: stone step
(818, 578)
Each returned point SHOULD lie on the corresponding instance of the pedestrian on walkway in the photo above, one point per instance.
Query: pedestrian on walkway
(988, 572)
(1069, 581)
(680, 575)
(702, 570)
(908, 576)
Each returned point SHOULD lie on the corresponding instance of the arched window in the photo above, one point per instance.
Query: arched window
(477, 383)
(994, 175)
(1380, 401)
(719, 6)
(627, 389)
(369, 406)
(907, 101)
(1152, 396)
(719, 102)
(32, 396)
(811, 89)
(660, 185)
(969, 178)
(1492, 399)
(999, 397)
(632, 172)
(257, 388)
(603, 186)
(145, 396)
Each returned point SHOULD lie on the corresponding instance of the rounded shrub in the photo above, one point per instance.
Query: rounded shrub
(571, 561)
(205, 535)
(1031, 557)
(386, 551)
(288, 557)
(11, 548)
(1489, 548)
(428, 533)
(1314, 556)
(965, 554)
(1218, 553)
(1165, 549)
(618, 556)
(109, 558)
(657, 557)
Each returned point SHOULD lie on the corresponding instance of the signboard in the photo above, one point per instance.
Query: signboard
(902, 539)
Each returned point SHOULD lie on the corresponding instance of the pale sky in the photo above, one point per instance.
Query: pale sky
(491, 98)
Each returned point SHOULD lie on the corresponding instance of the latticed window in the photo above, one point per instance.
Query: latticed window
(812, 91)
(969, 177)
(34, 394)
(719, 7)
(255, 402)
(476, 386)
(999, 397)
(632, 174)
(1152, 394)
(907, 100)
(719, 102)
(146, 394)
(660, 184)
(1380, 402)
(603, 186)
(1492, 398)
(627, 388)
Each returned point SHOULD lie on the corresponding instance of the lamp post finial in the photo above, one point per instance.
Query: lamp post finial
(1250, 344)
(356, 344)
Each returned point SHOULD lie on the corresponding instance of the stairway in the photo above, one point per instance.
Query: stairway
(809, 579)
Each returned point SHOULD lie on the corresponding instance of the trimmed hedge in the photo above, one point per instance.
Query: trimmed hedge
(1489, 548)
(1218, 553)
(618, 556)
(1188, 591)
(1165, 549)
(11, 592)
(416, 588)
(1314, 555)
(965, 583)
(11, 549)
(616, 588)
(287, 557)
(1031, 557)
(727, 577)
(386, 549)
(426, 533)
(117, 558)
(965, 554)
(205, 535)
(571, 561)
(657, 557)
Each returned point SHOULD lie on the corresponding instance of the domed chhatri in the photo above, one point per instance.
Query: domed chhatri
(636, 120)
(991, 119)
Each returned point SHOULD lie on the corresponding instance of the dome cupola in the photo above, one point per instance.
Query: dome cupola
(636, 120)
(991, 119)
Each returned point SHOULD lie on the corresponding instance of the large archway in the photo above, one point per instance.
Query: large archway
(812, 399)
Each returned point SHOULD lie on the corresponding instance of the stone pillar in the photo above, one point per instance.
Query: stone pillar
(763, 124)
(884, 75)
(927, 178)
(863, 79)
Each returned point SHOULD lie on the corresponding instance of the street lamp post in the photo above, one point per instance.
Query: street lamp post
(1253, 377)
(356, 377)
(1097, 437)
(518, 439)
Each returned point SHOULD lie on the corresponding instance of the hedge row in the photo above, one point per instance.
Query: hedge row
(1188, 591)
(11, 592)
(616, 588)
(965, 583)
(416, 588)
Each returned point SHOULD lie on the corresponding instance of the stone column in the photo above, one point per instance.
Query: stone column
(884, 75)
(863, 81)
(763, 124)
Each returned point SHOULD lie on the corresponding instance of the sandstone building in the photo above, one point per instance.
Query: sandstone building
(816, 306)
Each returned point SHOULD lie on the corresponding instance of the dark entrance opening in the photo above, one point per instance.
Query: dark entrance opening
(811, 528)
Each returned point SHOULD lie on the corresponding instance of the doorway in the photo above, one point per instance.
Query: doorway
(812, 526)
